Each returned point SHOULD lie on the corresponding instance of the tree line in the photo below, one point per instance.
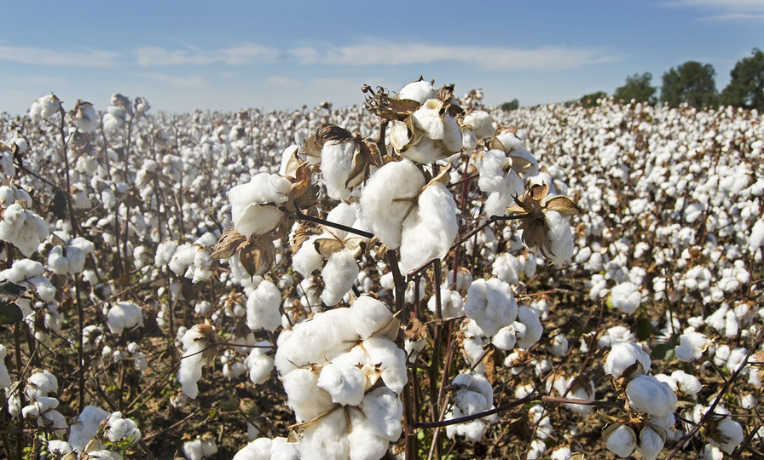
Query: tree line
(691, 83)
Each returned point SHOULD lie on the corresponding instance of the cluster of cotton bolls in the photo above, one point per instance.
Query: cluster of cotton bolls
(669, 204)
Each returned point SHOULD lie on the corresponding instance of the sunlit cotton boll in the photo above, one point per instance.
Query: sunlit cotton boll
(263, 307)
(388, 197)
(253, 204)
(691, 346)
(491, 305)
(196, 341)
(420, 91)
(626, 297)
(339, 274)
(624, 355)
(124, 315)
(561, 236)
(645, 393)
(45, 107)
(429, 231)
(621, 440)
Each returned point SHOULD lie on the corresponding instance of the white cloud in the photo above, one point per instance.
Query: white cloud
(726, 10)
(43, 56)
(306, 55)
(193, 81)
(489, 58)
(247, 53)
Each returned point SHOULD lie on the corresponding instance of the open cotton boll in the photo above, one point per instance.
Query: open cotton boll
(650, 443)
(195, 343)
(420, 91)
(390, 359)
(561, 236)
(253, 204)
(306, 399)
(479, 121)
(307, 259)
(626, 297)
(624, 355)
(533, 327)
(388, 197)
(121, 428)
(339, 274)
(41, 383)
(491, 170)
(84, 429)
(691, 346)
(491, 305)
(259, 363)
(621, 440)
(730, 435)
(363, 442)
(317, 340)
(369, 316)
(756, 238)
(263, 307)
(451, 303)
(124, 315)
(336, 167)
(345, 384)
(507, 268)
(327, 440)
(429, 233)
(645, 393)
(259, 449)
(384, 410)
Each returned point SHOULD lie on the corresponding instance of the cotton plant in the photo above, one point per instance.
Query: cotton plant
(472, 394)
(67, 257)
(199, 350)
(329, 366)
(18, 224)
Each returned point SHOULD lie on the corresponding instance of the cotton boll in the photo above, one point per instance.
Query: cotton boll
(626, 297)
(328, 439)
(621, 440)
(686, 383)
(339, 274)
(756, 238)
(260, 364)
(647, 394)
(40, 383)
(195, 343)
(390, 359)
(561, 236)
(622, 356)
(385, 200)
(363, 442)
(691, 346)
(529, 318)
(336, 167)
(5, 378)
(345, 384)
(259, 449)
(124, 315)
(451, 303)
(86, 426)
(419, 91)
(650, 443)
(306, 399)
(253, 204)
(369, 316)
(263, 307)
(307, 259)
(504, 339)
(429, 232)
(491, 305)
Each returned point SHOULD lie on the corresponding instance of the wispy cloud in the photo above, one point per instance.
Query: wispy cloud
(49, 57)
(193, 81)
(488, 58)
(247, 53)
(726, 10)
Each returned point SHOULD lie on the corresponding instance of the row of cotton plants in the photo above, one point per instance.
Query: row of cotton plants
(415, 276)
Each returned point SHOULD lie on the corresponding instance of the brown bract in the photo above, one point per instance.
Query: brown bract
(533, 204)
(363, 154)
(256, 254)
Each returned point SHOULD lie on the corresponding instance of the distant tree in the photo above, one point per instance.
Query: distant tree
(638, 88)
(746, 88)
(692, 83)
(590, 100)
(510, 106)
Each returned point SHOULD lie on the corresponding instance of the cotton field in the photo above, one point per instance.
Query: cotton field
(417, 276)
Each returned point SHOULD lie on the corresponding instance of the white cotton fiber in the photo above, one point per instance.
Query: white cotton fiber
(263, 307)
(388, 196)
(369, 316)
(259, 449)
(756, 238)
(391, 360)
(336, 166)
(363, 442)
(491, 169)
(491, 305)
(124, 315)
(384, 410)
(260, 364)
(86, 426)
(327, 440)
(645, 393)
(306, 399)
(317, 340)
(194, 344)
(429, 232)
(626, 297)
(339, 274)
(624, 355)
(561, 236)
(253, 204)
(5, 378)
(345, 384)
(420, 91)
(691, 346)
(307, 259)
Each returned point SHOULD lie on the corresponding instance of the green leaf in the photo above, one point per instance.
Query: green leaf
(10, 313)
(644, 329)
(663, 351)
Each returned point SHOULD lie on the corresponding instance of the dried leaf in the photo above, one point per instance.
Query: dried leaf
(561, 204)
(229, 241)
(415, 330)
(327, 246)
(256, 255)
(302, 234)
(356, 245)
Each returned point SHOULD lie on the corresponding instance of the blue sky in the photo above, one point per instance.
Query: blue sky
(234, 54)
